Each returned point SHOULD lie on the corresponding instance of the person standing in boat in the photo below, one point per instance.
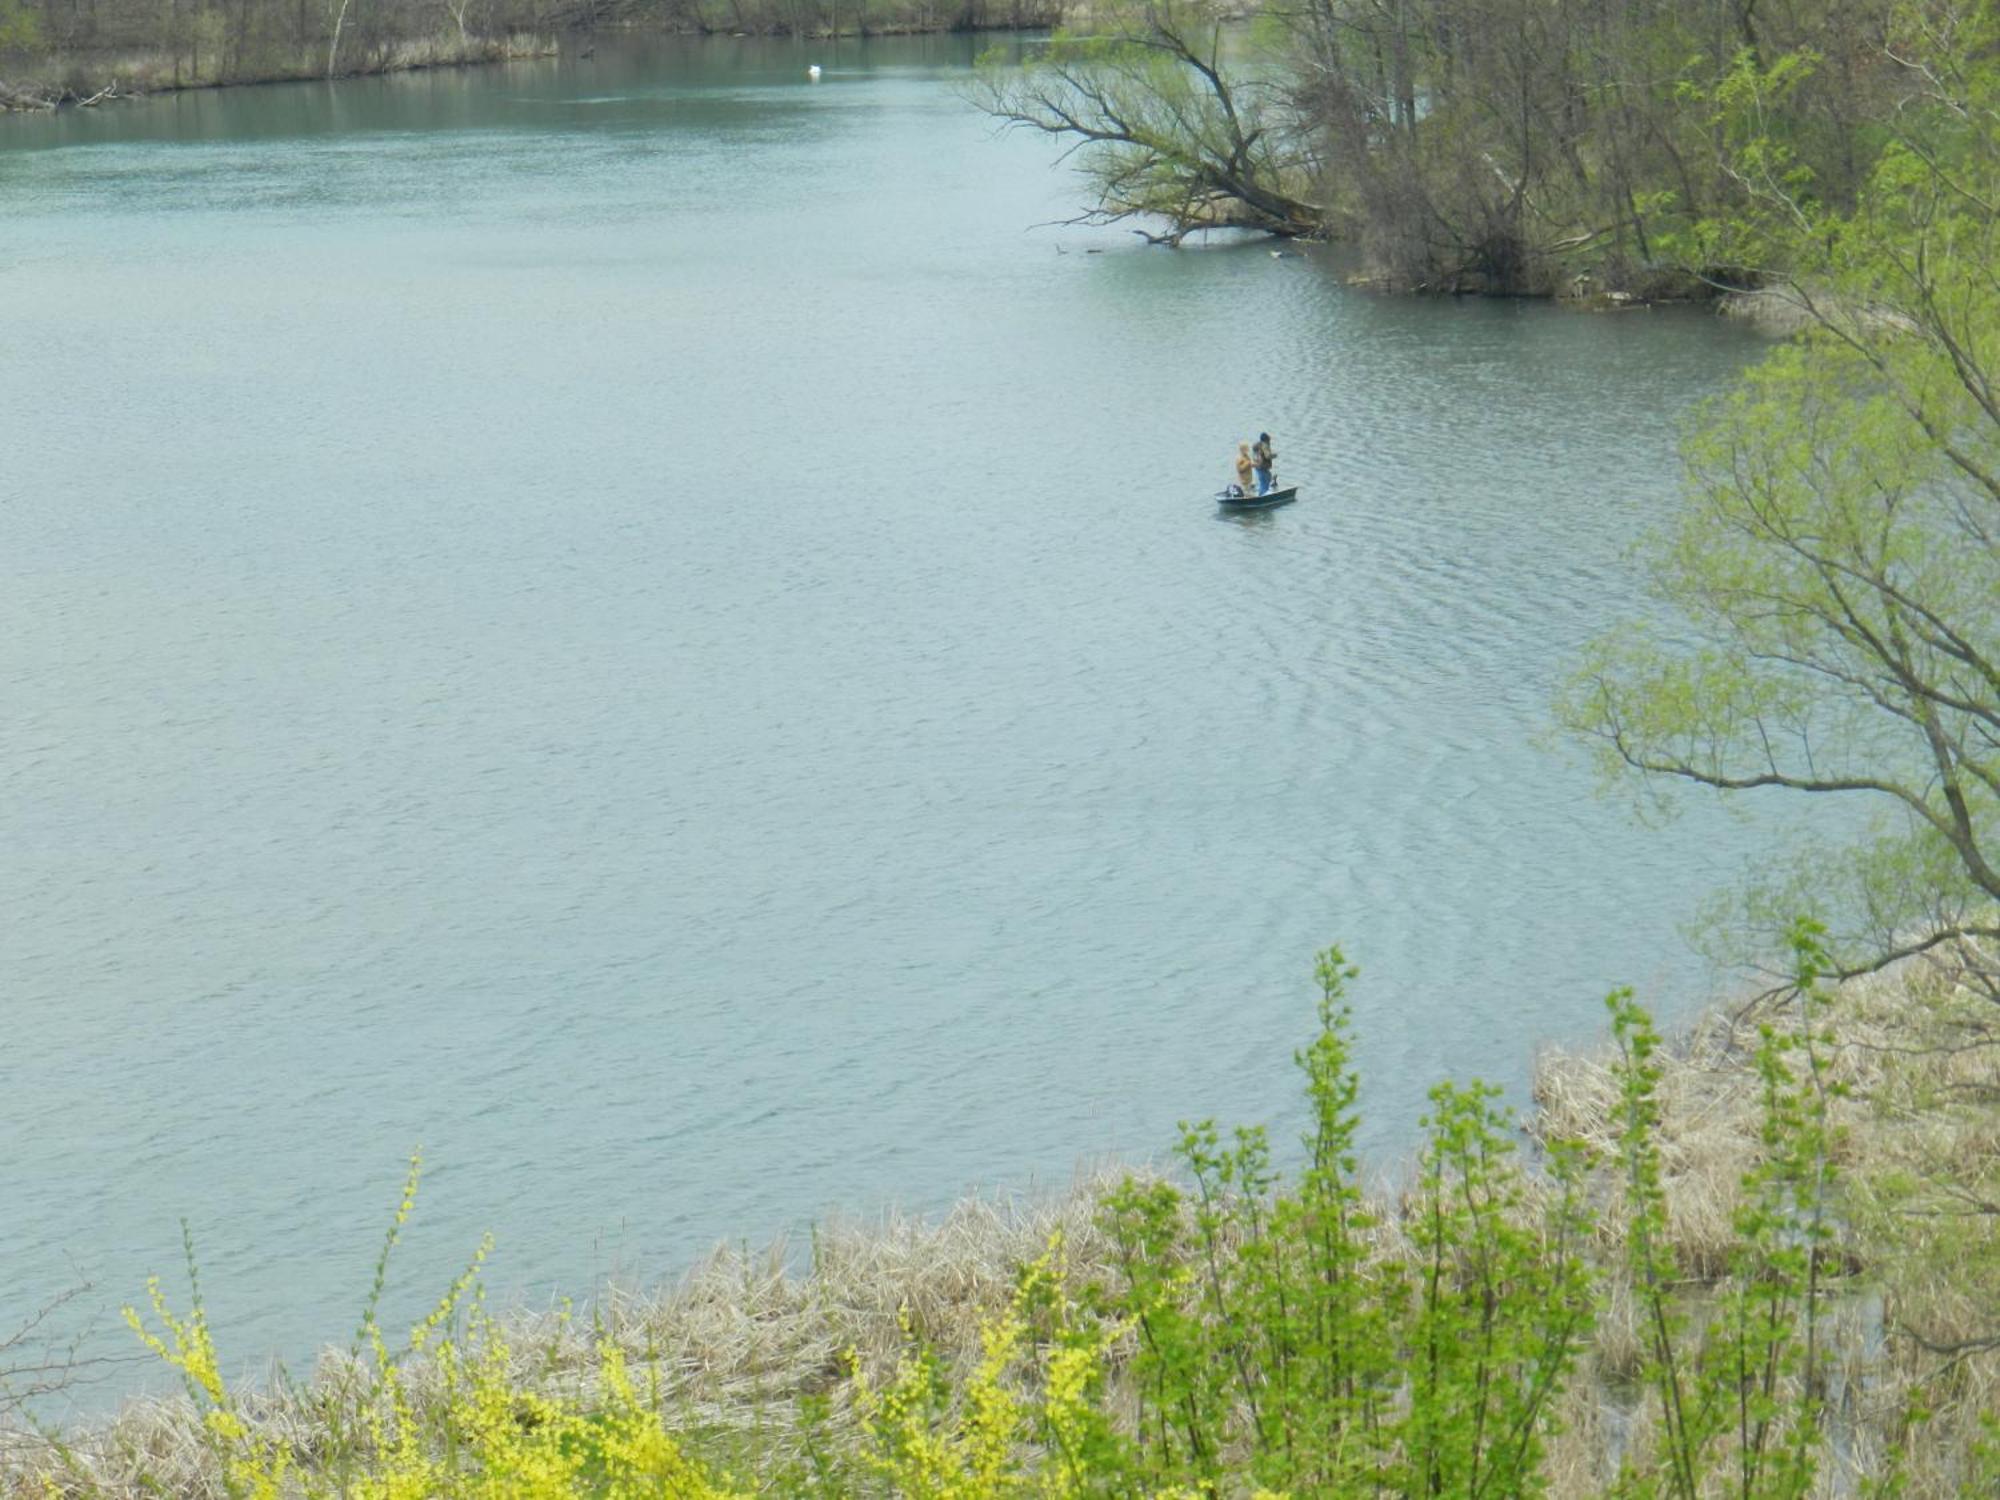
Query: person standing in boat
(1263, 458)
(1246, 469)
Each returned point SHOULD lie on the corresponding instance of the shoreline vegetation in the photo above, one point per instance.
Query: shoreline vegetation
(55, 54)
(1769, 1221)
(85, 79)
(1593, 152)
(1596, 152)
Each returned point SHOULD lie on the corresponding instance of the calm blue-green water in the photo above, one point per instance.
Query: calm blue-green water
(630, 621)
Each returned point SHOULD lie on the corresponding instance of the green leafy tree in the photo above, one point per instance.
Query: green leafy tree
(1735, 1396)
(1502, 1303)
(1830, 591)
(19, 30)
(1280, 1335)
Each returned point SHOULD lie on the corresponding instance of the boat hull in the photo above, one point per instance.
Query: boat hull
(1258, 502)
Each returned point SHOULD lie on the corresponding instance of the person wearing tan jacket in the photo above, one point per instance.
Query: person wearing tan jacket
(1246, 471)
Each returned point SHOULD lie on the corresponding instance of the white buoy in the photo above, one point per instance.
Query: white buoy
(813, 72)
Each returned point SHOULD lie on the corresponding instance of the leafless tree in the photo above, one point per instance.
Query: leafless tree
(1166, 126)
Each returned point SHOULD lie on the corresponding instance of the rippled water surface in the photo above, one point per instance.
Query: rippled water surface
(631, 621)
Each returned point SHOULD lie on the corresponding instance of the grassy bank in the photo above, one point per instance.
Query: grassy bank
(1781, 1222)
(57, 80)
(53, 55)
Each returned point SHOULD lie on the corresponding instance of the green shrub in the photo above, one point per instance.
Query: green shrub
(1239, 1330)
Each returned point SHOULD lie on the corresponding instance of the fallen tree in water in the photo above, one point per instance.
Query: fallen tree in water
(58, 97)
(1165, 128)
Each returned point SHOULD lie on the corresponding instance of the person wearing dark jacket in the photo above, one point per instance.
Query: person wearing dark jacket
(1263, 458)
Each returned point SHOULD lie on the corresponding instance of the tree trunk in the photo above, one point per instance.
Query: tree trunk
(333, 47)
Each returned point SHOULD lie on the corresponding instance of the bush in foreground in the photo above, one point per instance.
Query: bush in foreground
(1625, 1318)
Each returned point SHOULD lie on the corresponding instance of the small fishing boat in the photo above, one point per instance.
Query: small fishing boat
(1257, 502)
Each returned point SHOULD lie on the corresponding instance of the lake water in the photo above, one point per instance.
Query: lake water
(632, 621)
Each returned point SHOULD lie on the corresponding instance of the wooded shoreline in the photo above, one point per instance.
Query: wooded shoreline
(86, 81)
(98, 63)
(1583, 155)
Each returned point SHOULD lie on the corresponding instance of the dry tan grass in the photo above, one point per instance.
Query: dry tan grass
(85, 77)
(1708, 1110)
(1915, 1056)
(745, 1331)
(736, 1342)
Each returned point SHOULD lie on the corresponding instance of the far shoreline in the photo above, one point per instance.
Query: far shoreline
(89, 78)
